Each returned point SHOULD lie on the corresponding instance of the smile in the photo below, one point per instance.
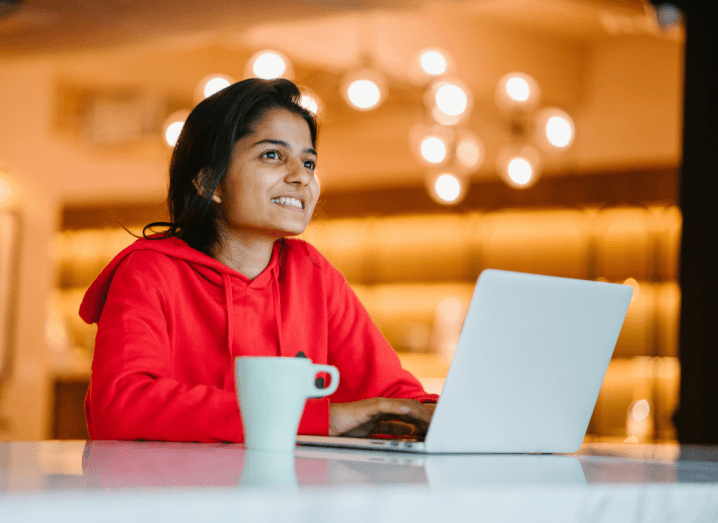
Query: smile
(293, 202)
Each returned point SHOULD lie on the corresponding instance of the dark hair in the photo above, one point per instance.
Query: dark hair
(204, 150)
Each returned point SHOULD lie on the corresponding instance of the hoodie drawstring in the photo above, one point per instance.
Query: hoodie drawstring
(278, 317)
(229, 377)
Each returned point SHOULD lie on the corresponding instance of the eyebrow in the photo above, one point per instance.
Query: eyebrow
(284, 144)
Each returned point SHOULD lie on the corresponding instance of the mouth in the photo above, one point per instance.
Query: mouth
(289, 201)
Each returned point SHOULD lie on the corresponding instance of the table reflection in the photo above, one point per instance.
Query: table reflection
(112, 465)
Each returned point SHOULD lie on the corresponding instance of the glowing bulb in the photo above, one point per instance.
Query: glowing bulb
(172, 133)
(433, 149)
(5, 190)
(518, 89)
(636, 288)
(519, 166)
(173, 125)
(468, 152)
(641, 409)
(520, 171)
(451, 99)
(363, 93)
(269, 65)
(309, 103)
(433, 62)
(559, 130)
(447, 187)
(450, 309)
(215, 85)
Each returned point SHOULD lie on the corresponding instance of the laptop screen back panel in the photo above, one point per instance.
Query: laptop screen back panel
(529, 366)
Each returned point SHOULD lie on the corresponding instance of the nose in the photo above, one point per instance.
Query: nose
(297, 173)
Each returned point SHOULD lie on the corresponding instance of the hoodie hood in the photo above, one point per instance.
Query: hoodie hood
(215, 272)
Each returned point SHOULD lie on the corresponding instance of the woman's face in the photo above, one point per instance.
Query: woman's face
(270, 187)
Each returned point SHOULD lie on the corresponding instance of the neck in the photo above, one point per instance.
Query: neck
(246, 252)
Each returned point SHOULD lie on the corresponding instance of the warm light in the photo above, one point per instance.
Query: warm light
(558, 131)
(269, 64)
(212, 84)
(520, 171)
(215, 85)
(555, 128)
(519, 166)
(433, 149)
(636, 288)
(433, 62)
(309, 103)
(451, 308)
(364, 94)
(172, 133)
(6, 191)
(469, 151)
(517, 91)
(428, 64)
(451, 99)
(447, 187)
(173, 127)
(449, 102)
(364, 90)
(640, 410)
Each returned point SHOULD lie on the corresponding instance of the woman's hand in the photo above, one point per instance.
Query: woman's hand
(394, 416)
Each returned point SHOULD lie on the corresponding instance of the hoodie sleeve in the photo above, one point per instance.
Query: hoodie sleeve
(367, 364)
(132, 394)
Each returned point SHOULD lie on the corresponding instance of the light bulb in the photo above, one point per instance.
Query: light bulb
(364, 90)
(519, 167)
(173, 125)
(517, 91)
(556, 127)
(447, 187)
(364, 94)
(215, 85)
(469, 150)
(6, 190)
(520, 170)
(433, 62)
(433, 149)
(640, 410)
(172, 133)
(428, 64)
(309, 103)
(451, 99)
(268, 65)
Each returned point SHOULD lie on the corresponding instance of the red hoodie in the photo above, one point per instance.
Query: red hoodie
(171, 320)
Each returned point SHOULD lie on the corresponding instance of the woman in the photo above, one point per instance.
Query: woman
(175, 309)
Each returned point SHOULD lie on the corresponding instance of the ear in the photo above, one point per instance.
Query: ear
(215, 197)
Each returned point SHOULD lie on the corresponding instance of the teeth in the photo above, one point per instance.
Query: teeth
(288, 201)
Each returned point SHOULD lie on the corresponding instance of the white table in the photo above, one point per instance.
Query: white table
(132, 482)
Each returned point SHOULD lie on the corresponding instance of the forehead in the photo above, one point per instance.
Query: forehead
(281, 123)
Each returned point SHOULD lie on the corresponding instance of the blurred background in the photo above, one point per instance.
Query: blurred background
(541, 136)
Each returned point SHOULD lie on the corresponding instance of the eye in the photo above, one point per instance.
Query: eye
(310, 164)
(271, 155)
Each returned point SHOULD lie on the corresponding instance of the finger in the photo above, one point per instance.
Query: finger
(360, 431)
(411, 411)
(395, 428)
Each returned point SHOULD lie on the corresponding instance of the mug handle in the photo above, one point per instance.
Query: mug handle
(333, 372)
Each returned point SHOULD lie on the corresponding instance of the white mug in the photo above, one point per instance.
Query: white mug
(272, 392)
(268, 469)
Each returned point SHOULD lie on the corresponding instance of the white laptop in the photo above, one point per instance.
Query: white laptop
(527, 370)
